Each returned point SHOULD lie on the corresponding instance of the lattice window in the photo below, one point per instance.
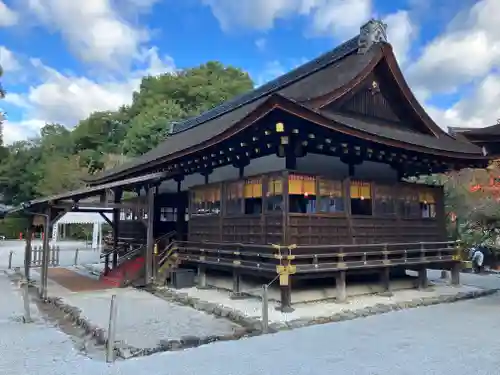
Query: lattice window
(302, 193)
(274, 199)
(234, 198)
(385, 204)
(331, 197)
(206, 200)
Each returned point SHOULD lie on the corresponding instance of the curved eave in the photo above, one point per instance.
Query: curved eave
(329, 121)
(410, 97)
(262, 110)
(341, 125)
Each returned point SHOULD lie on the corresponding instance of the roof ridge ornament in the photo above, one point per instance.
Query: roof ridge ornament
(372, 32)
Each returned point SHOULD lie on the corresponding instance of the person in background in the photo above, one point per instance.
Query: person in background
(476, 255)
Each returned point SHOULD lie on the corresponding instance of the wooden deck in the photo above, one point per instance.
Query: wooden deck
(74, 281)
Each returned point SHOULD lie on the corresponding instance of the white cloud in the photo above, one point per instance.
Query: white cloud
(466, 54)
(8, 61)
(328, 17)
(67, 98)
(401, 33)
(8, 17)
(94, 30)
(478, 110)
(469, 49)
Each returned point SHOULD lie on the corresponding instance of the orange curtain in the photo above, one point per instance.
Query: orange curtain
(253, 188)
(426, 197)
(361, 189)
(298, 185)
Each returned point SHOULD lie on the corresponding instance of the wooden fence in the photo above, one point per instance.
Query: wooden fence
(37, 254)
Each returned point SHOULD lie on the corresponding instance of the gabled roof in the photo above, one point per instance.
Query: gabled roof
(471, 132)
(329, 71)
(329, 77)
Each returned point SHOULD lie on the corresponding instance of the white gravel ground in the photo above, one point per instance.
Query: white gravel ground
(455, 339)
(143, 319)
(253, 307)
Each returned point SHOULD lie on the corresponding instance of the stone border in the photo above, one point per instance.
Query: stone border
(74, 314)
(254, 325)
(251, 326)
(126, 351)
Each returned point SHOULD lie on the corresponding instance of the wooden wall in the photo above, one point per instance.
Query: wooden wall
(327, 228)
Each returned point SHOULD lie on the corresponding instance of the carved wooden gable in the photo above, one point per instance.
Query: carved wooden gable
(370, 101)
(379, 99)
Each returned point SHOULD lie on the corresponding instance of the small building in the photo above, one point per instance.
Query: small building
(488, 138)
(303, 177)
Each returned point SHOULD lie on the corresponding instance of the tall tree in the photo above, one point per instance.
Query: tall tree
(59, 159)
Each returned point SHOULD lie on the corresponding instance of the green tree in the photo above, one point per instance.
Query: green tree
(19, 172)
(151, 126)
(60, 158)
(60, 174)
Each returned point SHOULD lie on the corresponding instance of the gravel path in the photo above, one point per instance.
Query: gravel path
(427, 340)
(143, 319)
(455, 339)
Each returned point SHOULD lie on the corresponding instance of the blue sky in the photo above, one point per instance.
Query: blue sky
(64, 59)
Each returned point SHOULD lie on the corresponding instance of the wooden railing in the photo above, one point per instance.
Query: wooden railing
(317, 258)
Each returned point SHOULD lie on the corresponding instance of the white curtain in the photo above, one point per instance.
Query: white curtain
(55, 233)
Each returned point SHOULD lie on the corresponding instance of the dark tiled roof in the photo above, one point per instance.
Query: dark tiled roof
(272, 86)
(488, 130)
(443, 143)
(325, 73)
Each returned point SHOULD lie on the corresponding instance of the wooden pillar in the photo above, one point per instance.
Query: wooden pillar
(236, 292)
(118, 193)
(45, 254)
(180, 209)
(340, 286)
(150, 236)
(385, 280)
(286, 297)
(285, 212)
(422, 278)
(202, 277)
(28, 249)
(290, 159)
(455, 274)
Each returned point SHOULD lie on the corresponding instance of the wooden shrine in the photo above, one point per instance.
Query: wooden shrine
(306, 176)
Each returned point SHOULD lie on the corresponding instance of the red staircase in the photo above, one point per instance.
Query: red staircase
(129, 270)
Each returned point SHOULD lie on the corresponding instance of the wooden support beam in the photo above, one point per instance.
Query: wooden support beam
(340, 286)
(28, 248)
(118, 194)
(385, 281)
(202, 277)
(455, 274)
(286, 294)
(107, 220)
(236, 292)
(150, 236)
(423, 282)
(45, 254)
(93, 207)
